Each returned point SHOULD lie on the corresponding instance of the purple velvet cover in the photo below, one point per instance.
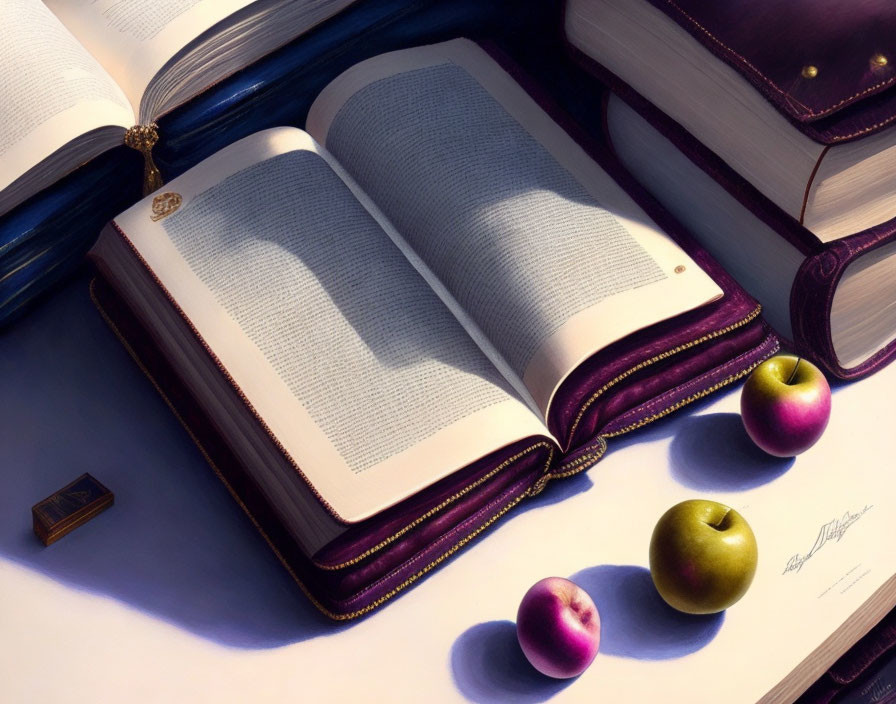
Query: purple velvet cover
(646, 375)
(851, 45)
(813, 293)
(816, 282)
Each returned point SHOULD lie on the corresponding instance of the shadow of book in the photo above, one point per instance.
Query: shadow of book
(635, 622)
(488, 665)
(713, 452)
(174, 545)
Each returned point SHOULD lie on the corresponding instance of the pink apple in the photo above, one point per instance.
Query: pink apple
(558, 627)
(785, 405)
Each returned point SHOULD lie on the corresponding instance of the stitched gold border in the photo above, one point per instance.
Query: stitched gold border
(583, 462)
(657, 358)
(447, 502)
(532, 491)
(693, 397)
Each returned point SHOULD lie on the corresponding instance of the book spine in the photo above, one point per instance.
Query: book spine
(812, 298)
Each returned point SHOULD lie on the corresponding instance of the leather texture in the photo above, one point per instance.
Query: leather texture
(829, 66)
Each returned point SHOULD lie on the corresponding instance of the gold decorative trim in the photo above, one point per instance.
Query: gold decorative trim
(143, 138)
(693, 397)
(653, 360)
(447, 502)
(164, 204)
(581, 463)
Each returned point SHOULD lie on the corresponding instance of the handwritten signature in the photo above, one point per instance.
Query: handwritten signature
(833, 530)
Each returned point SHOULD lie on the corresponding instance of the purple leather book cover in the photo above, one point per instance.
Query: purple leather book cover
(829, 66)
(816, 282)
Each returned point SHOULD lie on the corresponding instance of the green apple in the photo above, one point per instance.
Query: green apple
(703, 556)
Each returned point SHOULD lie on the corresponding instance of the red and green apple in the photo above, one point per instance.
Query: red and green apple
(785, 405)
(558, 627)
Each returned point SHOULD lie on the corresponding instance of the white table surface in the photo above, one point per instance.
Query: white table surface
(171, 596)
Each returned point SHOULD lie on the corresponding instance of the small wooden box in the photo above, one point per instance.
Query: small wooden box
(70, 507)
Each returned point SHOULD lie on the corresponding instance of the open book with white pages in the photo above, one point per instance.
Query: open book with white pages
(77, 75)
(388, 330)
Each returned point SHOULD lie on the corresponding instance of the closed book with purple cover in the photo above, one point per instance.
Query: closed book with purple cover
(387, 332)
(790, 108)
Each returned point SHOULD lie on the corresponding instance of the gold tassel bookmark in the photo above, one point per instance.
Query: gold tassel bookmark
(143, 138)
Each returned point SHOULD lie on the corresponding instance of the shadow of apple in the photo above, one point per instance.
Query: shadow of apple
(488, 666)
(636, 622)
(713, 452)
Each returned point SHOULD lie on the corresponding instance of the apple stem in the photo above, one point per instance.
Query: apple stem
(793, 373)
(718, 524)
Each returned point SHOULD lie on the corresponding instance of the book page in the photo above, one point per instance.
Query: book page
(824, 524)
(51, 89)
(133, 39)
(535, 242)
(361, 373)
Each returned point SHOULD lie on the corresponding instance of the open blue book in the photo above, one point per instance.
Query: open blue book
(78, 76)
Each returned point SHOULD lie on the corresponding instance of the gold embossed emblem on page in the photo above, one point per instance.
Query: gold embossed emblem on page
(164, 204)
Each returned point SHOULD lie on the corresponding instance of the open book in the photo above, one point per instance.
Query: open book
(79, 73)
(387, 331)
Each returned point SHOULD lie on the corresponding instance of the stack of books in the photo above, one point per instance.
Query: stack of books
(769, 133)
